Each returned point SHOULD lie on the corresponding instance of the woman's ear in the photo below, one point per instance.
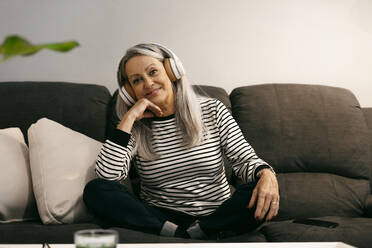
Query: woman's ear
(130, 90)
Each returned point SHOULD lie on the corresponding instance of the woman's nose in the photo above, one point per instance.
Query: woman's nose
(148, 82)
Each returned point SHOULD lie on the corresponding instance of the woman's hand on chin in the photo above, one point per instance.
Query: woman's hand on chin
(142, 109)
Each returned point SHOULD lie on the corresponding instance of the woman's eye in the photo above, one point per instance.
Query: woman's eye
(153, 72)
(135, 81)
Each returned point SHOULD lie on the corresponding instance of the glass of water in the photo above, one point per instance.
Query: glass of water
(96, 238)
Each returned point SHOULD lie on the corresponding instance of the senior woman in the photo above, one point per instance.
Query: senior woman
(176, 141)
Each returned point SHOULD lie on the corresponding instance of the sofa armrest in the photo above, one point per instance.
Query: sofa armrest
(368, 206)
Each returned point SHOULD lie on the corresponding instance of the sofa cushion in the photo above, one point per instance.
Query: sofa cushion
(81, 107)
(305, 195)
(62, 162)
(32, 232)
(17, 202)
(252, 236)
(38, 233)
(304, 128)
(352, 231)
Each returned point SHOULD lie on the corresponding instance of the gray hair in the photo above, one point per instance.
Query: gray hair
(188, 112)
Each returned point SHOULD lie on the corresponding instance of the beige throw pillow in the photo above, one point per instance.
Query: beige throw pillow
(62, 162)
(17, 202)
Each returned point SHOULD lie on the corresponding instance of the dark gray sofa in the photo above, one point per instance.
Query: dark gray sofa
(318, 139)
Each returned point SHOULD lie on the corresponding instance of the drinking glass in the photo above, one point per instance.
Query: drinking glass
(96, 238)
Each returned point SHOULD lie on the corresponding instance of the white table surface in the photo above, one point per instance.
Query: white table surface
(203, 245)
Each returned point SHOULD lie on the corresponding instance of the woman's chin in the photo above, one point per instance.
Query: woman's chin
(157, 100)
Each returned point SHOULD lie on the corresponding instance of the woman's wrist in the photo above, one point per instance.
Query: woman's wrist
(126, 123)
(264, 171)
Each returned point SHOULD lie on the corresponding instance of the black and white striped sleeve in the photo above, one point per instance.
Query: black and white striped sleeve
(114, 159)
(239, 152)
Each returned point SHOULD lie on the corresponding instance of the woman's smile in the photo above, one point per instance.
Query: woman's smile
(153, 93)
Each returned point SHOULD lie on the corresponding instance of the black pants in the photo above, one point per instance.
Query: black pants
(115, 206)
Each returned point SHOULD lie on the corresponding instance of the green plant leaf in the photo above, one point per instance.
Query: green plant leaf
(17, 46)
(62, 47)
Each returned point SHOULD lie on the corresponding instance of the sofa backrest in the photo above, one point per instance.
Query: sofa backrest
(81, 107)
(316, 138)
(368, 115)
(305, 128)
(214, 92)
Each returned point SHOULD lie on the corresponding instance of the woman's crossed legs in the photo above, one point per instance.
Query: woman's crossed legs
(115, 206)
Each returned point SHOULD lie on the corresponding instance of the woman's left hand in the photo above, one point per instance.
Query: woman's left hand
(266, 194)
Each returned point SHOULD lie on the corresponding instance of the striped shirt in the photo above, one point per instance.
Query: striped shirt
(190, 180)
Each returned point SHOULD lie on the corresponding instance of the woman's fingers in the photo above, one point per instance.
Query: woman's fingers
(260, 207)
(266, 194)
(265, 208)
(143, 107)
(253, 198)
(274, 208)
(155, 109)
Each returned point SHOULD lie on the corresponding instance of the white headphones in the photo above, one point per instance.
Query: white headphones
(172, 65)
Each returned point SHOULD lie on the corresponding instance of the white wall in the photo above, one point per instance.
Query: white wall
(222, 43)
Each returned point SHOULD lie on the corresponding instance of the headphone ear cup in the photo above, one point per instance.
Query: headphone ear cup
(177, 69)
(169, 70)
(126, 96)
